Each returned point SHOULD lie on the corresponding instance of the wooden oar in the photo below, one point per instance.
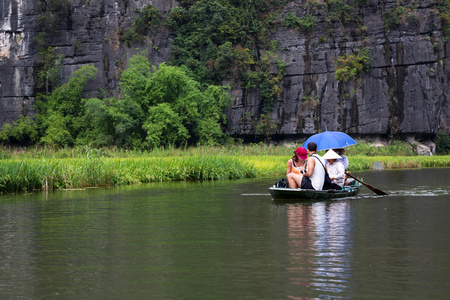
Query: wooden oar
(374, 189)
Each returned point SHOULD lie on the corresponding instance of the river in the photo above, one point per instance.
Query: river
(229, 240)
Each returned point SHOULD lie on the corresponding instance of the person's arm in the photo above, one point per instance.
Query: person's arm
(311, 165)
(289, 167)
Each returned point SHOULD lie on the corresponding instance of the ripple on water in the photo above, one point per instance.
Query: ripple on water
(421, 192)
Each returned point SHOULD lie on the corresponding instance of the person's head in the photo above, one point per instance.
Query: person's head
(301, 153)
(339, 151)
(331, 156)
(312, 147)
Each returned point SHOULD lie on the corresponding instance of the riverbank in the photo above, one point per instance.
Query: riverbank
(363, 148)
(30, 174)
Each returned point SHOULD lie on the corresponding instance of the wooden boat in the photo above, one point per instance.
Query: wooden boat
(288, 194)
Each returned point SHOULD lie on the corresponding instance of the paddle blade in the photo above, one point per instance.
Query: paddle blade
(372, 188)
(377, 191)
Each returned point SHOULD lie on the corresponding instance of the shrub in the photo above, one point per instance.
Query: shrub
(56, 133)
(308, 23)
(59, 113)
(291, 20)
(305, 23)
(164, 127)
(341, 11)
(22, 130)
(49, 69)
(349, 66)
(220, 40)
(176, 17)
(148, 17)
(443, 144)
(444, 10)
(265, 126)
(162, 107)
(393, 17)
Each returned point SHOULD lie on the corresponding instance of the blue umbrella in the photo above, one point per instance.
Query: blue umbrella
(330, 140)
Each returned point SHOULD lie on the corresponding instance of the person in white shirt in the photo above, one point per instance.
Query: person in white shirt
(314, 177)
(335, 167)
(343, 159)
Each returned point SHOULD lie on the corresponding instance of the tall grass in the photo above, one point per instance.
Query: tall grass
(393, 148)
(44, 174)
(276, 165)
(84, 151)
(359, 163)
(84, 167)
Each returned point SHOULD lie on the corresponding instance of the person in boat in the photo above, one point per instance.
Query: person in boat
(295, 165)
(314, 177)
(343, 159)
(335, 167)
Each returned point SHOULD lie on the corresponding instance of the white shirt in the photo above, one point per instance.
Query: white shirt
(343, 160)
(337, 171)
(318, 175)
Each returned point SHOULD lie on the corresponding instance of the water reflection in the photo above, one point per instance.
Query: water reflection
(320, 245)
(228, 240)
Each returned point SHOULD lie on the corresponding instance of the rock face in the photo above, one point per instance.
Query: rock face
(406, 90)
(88, 34)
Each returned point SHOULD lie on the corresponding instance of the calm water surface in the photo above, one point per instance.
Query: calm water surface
(229, 240)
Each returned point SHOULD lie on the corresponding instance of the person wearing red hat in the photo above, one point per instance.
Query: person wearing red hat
(314, 177)
(294, 167)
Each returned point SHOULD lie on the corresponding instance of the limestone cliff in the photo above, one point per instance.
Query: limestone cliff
(88, 33)
(405, 91)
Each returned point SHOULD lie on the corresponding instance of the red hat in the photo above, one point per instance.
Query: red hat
(301, 153)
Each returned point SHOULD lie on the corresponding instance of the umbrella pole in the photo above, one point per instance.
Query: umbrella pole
(374, 189)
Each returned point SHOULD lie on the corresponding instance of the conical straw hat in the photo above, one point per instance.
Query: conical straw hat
(331, 155)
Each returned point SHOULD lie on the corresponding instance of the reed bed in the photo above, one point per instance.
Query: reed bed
(276, 165)
(42, 174)
(358, 163)
(207, 163)
(87, 152)
(394, 148)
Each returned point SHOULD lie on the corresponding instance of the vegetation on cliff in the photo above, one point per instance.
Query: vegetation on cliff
(349, 66)
(156, 108)
(215, 43)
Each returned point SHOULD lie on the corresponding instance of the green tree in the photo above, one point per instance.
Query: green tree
(56, 132)
(48, 74)
(164, 127)
(60, 113)
(158, 107)
(22, 130)
(196, 112)
(112, 121)
(102, 115)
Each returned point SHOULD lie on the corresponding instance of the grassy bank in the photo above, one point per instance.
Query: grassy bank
(395, 148)
(48, 174)
(276, 166)
(28, 174)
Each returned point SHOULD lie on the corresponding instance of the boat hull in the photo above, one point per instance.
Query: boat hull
(287, 194)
